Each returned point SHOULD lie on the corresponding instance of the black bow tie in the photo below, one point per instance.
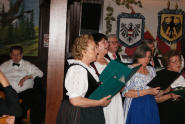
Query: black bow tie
(16, 64)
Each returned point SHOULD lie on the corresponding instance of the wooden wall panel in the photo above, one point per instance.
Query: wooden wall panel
(74, 13)
(56, 55)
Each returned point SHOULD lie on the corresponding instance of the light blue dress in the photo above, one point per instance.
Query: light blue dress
(141, 110)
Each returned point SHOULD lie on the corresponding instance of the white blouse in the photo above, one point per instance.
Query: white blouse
(179, 82)
(100, 67)
(76, 80)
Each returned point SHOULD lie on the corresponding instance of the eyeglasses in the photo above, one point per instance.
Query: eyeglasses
(175, 62)
(148, 57)
(113, 42)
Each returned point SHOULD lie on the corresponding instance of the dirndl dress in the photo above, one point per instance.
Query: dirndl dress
(69, 114)
(143, 110)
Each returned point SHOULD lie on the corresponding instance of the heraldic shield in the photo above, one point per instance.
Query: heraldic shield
(171, 25)
(130, 29)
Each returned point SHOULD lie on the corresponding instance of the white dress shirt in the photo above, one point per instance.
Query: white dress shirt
(76, 80)
(111, 56)
(15, 73)
(179, 82)
(127, 60)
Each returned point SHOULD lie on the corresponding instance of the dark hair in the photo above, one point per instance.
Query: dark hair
(166, 57)
(98, 37)
(147, 41)
(140, 52)
(16, 48)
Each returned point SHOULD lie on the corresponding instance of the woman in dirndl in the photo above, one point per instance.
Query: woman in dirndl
(141, 108)
(80, 81)
(114, 111)
(172, 106)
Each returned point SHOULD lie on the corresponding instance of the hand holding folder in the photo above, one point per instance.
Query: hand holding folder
(179, 91)
(113, 78)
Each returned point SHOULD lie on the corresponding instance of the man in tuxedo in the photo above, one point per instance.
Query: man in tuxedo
(113, 51)
(21, 74)
(113, 48)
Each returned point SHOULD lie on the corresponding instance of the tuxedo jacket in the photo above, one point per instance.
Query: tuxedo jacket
(117, 55)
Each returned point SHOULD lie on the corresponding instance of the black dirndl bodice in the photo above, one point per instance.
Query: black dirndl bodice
(69, 114)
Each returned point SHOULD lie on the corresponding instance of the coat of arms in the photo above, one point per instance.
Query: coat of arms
(130, 29)
(171, 25)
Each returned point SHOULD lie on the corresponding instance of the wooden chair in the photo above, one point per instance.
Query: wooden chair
(27, 119)
(2, 94)
(4, 119)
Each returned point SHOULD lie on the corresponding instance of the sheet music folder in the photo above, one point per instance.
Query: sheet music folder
(113, 78)
(180, 92)
(163, 79)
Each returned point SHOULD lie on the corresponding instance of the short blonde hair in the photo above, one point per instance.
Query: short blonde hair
(80, 44)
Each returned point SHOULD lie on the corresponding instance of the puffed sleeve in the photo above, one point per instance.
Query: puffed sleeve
(152, 70)
(76, 81)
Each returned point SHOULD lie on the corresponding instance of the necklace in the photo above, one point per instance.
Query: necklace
(143, 71)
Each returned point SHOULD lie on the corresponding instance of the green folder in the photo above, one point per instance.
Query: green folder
(180, 92)
(113, 78)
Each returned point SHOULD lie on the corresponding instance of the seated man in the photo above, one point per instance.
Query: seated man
(21, 73)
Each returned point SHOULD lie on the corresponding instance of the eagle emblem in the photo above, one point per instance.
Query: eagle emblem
(130, 29)
(171, 25)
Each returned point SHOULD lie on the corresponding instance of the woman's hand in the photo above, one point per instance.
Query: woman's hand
(131, 94)
(3, 80)
(21, 82)
(122, 89)
(154, 91)
(104, 101)
(167, 90)
(161, 92)
(8, 119)
(85, 102)
(138, 93)
(174, 96)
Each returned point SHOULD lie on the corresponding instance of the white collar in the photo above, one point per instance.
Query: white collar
(20, 62)
(89, 68)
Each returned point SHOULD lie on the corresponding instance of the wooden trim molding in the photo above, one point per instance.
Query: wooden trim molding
(56, 55)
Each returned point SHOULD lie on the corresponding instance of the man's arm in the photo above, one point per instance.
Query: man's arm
(21, 82)
(33, 72)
